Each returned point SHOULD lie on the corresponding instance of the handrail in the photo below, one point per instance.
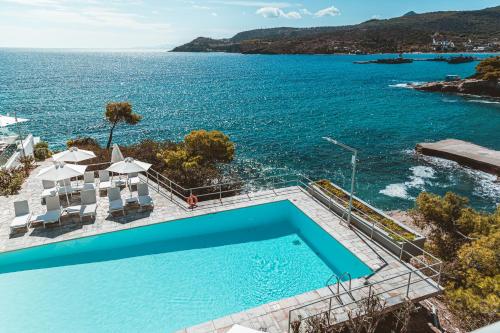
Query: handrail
(339, 284)
(370, 287)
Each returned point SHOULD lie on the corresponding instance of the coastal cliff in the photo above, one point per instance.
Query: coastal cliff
(409, 33)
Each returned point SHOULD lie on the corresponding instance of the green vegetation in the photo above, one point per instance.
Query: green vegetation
(399, 232)
(196, 161)
(469, 244)
(488, 69)
(42, 151)
(12, 179)
(120, 112)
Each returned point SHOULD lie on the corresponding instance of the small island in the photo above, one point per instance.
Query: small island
(388, 61)
(485, 82)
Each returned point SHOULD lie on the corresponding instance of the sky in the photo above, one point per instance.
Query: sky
(168, 23)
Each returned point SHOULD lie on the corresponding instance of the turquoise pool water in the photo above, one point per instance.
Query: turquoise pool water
(167, 276)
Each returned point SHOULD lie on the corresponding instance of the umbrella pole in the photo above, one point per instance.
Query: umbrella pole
(66, 191)
(129, 187)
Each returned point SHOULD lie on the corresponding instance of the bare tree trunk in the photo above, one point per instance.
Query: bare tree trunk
(108, 145)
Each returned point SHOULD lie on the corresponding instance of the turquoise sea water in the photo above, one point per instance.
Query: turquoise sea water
(167, 276)
(276, 108)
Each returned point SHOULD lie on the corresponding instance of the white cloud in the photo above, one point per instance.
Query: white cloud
(93, 17)
(330, 11)
(253, 3)
(201, 7)
(213, 14)
(274, 12)
(305, 11)
(376, 17)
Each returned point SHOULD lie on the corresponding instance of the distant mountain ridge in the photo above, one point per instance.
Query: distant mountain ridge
(410, 32)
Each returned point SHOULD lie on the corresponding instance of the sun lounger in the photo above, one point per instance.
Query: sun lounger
(88, 205)
(49, 189)
(143, 195)
(22, 217)
(104, 182)
(133, 179)
(53, 214)
(115, 200)
(88, 181)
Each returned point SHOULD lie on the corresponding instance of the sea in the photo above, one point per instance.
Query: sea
(276, 108)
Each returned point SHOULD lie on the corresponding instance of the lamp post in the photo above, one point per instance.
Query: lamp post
(353, 162)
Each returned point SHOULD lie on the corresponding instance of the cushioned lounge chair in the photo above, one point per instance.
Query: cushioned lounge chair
(115, 200)
(143, 196)
(53, 214)
(22, 217)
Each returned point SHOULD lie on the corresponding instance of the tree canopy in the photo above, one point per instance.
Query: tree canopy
(120, 112)
(469, 243)
(489, 69)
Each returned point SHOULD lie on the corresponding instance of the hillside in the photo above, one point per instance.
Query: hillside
(410, 32)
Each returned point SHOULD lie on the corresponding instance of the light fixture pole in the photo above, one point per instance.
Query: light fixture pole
(353, 162)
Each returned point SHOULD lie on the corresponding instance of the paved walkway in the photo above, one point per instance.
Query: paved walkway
(272, 317)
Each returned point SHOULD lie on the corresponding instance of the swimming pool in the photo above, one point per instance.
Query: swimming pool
(167, 276)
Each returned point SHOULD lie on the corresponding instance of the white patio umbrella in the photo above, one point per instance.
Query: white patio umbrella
(6, 120)
(116, 154)
(73, 154)
(61, 171)
(128, 166)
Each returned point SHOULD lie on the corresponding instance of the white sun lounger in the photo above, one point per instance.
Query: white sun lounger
(133, 179)
(104, 182)
(115, 200)
(53, 214)
(88, 182)
(22, 217)
(49, 189)
(143, 195)
(88, 205)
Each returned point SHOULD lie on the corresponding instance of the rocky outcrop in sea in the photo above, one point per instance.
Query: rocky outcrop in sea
(487, 88)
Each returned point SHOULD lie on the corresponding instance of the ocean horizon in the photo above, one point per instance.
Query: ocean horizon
(276, 108)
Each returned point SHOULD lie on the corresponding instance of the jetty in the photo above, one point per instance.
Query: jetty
(464, 153)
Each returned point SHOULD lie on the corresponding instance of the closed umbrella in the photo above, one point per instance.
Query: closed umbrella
(128, 166)
(73, 154)
(60, 171)
(116, 154)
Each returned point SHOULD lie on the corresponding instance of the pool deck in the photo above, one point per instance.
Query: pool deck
(272, 317)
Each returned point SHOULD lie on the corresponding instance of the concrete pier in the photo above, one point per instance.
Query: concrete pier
(464, 153)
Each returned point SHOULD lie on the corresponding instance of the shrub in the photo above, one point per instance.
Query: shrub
(42, 151)
(469, 243)
(11, 180)
(488, 69)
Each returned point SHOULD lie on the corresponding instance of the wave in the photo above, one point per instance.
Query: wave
(407, 85)
(418, 179)
(396, 191)
(484, 183)
(483, 101)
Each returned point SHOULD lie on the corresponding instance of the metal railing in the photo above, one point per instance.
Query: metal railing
(338, 283)
(413, 276)
(430, 266)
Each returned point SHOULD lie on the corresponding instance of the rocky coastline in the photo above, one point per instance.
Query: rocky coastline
(485, 88)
